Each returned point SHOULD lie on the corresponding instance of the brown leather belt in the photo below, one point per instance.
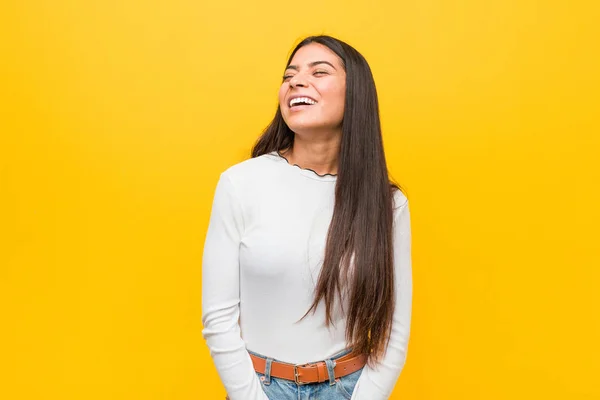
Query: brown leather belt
(310, 373)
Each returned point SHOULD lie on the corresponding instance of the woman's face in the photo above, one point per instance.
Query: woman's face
(316, 75)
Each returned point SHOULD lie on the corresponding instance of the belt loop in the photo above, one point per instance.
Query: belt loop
(267, 380)
(330, 366)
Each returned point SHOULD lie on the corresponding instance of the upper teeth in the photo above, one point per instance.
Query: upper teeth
(302, 100)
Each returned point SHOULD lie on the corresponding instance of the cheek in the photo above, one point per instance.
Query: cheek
(282, 91)
(338, 99)
(342, 94)
(336, 95)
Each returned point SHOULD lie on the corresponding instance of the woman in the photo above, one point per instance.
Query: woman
(307, 283)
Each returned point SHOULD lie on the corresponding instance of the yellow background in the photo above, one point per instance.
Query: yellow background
(117, 117)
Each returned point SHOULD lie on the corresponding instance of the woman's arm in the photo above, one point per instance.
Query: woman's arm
(378, 383)
(221, 295)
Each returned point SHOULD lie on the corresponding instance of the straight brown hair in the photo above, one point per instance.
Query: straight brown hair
(359, 256)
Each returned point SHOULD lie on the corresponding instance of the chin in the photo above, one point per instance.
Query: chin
(296, 125)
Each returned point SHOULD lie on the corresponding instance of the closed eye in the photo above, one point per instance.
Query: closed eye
(286, 77)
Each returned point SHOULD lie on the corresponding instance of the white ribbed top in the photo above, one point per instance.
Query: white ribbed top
(262, 256)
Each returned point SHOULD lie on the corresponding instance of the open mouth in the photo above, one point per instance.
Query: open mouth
(301, 101)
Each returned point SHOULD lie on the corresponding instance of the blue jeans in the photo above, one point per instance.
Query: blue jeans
(334, 389)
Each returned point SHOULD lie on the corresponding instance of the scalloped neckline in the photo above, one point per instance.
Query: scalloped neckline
(306, 171)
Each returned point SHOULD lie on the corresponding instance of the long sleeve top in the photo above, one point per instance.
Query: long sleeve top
(262, 256)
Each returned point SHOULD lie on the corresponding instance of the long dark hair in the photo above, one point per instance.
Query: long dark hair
(360, 232)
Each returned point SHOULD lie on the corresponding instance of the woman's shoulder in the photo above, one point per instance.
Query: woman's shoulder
(251, 170)
(400, 199)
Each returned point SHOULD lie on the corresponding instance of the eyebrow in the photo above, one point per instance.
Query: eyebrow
(312, 64)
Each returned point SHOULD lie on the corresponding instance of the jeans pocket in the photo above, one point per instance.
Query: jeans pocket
(346, 384)
(262, 379)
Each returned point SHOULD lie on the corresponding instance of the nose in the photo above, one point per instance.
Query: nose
(297, 80)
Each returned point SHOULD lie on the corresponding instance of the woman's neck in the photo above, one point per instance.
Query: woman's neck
(320, 157)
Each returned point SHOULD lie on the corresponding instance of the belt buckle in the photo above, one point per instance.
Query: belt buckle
(296, 377)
